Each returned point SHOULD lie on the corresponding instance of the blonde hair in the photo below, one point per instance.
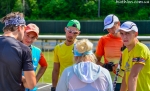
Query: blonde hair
(83, 46)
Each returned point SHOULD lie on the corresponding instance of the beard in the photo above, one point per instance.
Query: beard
(69, 40)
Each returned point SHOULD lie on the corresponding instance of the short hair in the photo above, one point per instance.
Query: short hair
(11, 27)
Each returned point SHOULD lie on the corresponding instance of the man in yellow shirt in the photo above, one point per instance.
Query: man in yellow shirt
(135, 60)
(63, 55)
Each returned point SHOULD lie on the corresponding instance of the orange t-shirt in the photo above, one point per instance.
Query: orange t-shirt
(109, 46)
(42, 61)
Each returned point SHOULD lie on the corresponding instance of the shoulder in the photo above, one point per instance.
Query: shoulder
(35, 48)
(59, 45)
(68, 70)
(125, 51)
(23, 46)
(140, 46)
(104, 37)
(104, 70)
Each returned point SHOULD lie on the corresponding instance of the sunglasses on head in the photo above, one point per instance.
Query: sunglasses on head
(71, 31)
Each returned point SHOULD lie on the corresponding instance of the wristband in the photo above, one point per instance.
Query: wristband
(53, 88)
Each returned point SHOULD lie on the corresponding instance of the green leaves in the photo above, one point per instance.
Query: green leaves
(79, 9)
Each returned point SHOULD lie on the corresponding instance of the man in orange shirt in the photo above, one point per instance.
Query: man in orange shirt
(109, 46)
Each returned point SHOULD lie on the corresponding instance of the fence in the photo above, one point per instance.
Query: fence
(48, 42)
(87, 26)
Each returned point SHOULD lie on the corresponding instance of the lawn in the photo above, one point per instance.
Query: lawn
(47, 77)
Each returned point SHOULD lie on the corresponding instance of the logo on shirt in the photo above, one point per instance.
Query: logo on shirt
(127, 66)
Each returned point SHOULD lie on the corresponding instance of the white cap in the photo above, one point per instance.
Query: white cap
(128, 26)
(109, 21)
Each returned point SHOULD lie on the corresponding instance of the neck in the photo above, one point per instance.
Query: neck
(131, 46)
(11, 34)
(68, 43)
(116, 34)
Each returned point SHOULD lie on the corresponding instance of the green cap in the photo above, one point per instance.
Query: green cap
(74, 23)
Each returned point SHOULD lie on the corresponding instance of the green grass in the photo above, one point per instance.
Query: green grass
(47, 77)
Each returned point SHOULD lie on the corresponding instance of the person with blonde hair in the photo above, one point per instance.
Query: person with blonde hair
(85, 74)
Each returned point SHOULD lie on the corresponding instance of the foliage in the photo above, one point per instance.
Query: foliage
(79, 9)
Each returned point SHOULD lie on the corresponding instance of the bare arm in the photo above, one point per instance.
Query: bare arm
(24, 82)
(40, 73)
(132, 81)
(30, 79)
(43, 67)
(55, 74)
(123, 84)
(99, 60)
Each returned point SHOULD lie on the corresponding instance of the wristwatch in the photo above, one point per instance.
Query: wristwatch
(53, 88)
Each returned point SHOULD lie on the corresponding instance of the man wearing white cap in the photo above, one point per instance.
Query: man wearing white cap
(109, 46)
(135, 60)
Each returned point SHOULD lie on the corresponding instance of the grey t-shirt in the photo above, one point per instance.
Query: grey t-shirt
(15, 57)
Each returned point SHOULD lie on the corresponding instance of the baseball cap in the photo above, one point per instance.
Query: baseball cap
(128, 26)
(74, 23)
(32, 28)
(110, 20)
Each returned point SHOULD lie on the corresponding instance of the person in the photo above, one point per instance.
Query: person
(15, 56)
(109, 46)
(63, 56)
(30, 36)
(85, 74)
(135, 60)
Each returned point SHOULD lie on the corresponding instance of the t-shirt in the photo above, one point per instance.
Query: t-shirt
(109, 46)
(139, 54)
(63, 54)
(14, 57)
(37, 57)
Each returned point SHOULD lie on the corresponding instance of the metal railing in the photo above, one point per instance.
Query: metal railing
(47, 42)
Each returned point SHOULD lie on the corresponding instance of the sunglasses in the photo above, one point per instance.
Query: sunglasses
(71, 31)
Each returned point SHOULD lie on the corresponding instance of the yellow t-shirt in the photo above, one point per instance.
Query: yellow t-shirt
(139, 54)
(63, 54)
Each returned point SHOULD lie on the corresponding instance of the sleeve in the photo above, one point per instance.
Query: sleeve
(62, 83)
(140, 56)
(100, 47)
(56, 59)
(42, 61)
(27, 60)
